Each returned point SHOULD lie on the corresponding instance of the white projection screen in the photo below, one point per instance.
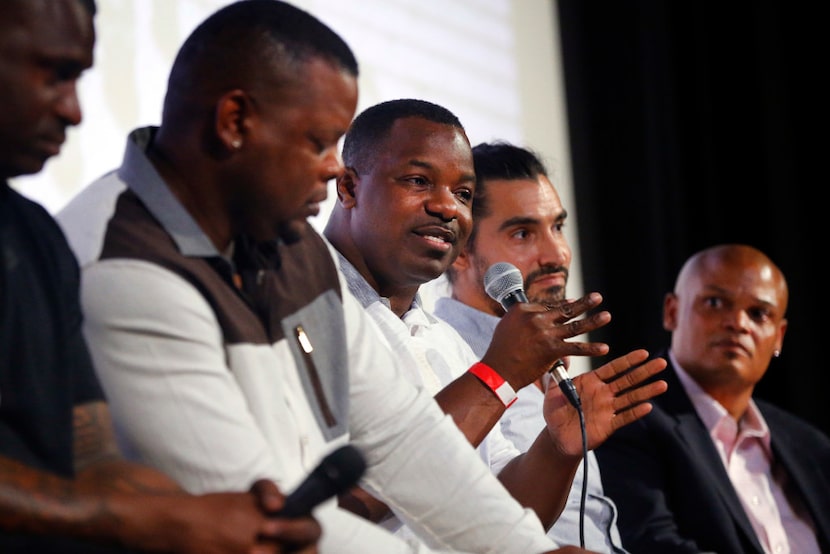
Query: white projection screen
(494, 63)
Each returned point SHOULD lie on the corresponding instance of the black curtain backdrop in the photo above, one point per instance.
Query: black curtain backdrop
(692, 124)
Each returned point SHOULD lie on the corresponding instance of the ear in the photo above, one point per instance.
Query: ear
(346, 185)
(782, 330)
(670, 312)
(233, 110)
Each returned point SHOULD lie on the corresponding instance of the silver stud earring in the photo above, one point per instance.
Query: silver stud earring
(236, 143)
(776, 353)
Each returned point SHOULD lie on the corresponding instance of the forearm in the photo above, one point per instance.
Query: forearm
(98, 504)
(553, 473)
(98, 463)
(474, 407)
(476, 410)
(37, 502)
(361, 503)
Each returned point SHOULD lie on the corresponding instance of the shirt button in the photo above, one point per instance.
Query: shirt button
(755, 500)
(779, 548)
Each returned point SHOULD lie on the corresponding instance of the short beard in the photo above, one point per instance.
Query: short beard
(552, 295)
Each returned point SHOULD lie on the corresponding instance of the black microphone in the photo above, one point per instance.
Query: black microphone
(336, 473)
(504, 283)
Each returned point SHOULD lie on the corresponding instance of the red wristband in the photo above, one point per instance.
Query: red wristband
(494, 382)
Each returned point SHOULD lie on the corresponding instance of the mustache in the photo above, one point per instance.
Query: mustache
(546, 270)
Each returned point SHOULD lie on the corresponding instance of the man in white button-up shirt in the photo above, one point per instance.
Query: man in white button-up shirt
(404, 214)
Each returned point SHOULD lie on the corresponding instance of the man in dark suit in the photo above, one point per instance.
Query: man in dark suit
(712, 469)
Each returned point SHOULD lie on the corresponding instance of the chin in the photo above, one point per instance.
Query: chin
(28, 167)
(549, 296)
(292, 231)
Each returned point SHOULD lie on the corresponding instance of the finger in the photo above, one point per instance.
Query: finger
(585, 325)
(576, 348)
(631, 415)
(607, 372)
(568, 309)
(298, 531)
(639, 395)
(637, 376)
(268, 495)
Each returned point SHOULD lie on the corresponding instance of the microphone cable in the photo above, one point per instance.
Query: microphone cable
(503, 282)
(560, 377)
(584, 493)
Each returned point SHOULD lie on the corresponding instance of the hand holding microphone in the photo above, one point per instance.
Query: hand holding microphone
(504, 283)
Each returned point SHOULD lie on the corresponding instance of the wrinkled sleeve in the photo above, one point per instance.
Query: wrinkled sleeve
(159, 353)
(178, 406)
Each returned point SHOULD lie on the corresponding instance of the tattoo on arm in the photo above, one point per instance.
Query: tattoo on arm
(94, 436)
(98, 460)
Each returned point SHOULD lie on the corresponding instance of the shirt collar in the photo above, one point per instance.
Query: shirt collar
(714, 416)
(475, 326)
(142, 178)
(366, 295)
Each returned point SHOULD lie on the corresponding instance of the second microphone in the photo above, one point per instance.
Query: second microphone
(504, 283)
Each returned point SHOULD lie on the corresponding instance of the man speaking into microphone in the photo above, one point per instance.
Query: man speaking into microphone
(404, 213)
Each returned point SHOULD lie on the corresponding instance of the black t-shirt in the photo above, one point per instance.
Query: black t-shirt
(45, 368)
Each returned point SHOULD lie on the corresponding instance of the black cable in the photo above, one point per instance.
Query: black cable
(560, 376)
(584, 478)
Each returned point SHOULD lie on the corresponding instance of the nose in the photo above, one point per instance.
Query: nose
(68, 106)
(332, 165)
(442, 202)
(554, 249)
(736, 319)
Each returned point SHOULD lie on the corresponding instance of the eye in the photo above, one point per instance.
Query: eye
(325, 143)
(759, 315)
(713, 301)
(57, 70)
(417, 180)
(320, 146)
(67, 72)
(520, 234)
(465, 194)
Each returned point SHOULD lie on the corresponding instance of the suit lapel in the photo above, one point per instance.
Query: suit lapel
(801, 472)
(694, 434)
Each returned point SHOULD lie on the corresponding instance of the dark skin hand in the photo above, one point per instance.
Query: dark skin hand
(527, 341)
(401, 220)
(114, 501)
(612, 396)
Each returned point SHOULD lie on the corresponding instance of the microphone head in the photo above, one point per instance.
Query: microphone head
(502, 280)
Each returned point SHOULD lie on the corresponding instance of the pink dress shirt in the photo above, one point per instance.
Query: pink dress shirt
(744, 448)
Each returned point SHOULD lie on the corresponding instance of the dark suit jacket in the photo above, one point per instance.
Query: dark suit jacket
(671, 488)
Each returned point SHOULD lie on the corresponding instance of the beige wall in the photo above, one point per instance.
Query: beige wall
(495, 63)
